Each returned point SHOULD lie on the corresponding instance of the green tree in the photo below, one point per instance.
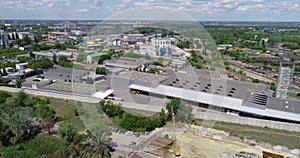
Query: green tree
(162, 117)
(47, 115)
(184, 44)
(43, 63)
(255, 81)
(3, 96)
(273, 86)
(18, 83)
(101, 71)
(64, 62)
(18, 120)
(20, 98)
(68, 132)
(89, 80)
(175, 103)
(153, 70)
(54, 58)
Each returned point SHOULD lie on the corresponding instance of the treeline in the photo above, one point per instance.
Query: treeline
(145, 124)
(196, 60)
(43, 47)
(20, 117)
(26, 131)
(128, 121)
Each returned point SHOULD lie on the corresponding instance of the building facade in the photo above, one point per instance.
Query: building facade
(3, 38)
(284, 81)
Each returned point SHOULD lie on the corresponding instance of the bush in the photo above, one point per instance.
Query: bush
(255, 81)
(43, 63)
(101, 71)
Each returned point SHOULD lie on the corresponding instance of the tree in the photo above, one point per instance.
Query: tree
(3, 96)
(20, 99)
(104, 57)
(18, 83)
(64, 62)
(46, 114)
(18, 120)
(175, 103)
(162, 117)
(68, 132)
(153, 70)
(255, 81)
(43, 63)
(184, 44)
(54, 58)
(273, 86)
(89, 80)
(101, 71)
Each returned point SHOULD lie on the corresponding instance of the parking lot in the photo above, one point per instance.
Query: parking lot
(127, 138)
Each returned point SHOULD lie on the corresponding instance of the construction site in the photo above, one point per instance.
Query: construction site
(207, 143)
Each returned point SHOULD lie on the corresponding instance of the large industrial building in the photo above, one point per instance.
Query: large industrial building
(3, 38)
(284, 81)
(207, 88)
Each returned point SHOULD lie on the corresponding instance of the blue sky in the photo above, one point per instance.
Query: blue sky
(203, 10)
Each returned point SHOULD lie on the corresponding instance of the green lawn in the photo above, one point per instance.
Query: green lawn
(140, 112)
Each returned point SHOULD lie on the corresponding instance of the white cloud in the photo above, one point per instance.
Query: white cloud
(83, 10)
(50, 5)
(242, 8)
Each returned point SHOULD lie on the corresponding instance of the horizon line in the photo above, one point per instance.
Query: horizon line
(269, 21)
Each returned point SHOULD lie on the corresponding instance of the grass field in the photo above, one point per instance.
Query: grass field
(140, 112)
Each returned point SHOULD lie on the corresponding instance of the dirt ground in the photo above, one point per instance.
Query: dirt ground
(197, 146)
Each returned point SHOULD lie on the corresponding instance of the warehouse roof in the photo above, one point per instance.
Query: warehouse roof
(98, 54)
(144, 77)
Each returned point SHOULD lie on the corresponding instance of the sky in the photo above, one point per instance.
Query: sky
(200, 10)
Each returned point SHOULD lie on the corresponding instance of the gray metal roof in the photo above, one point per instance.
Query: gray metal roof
(124, 62)
(283, 105)
(143, 77)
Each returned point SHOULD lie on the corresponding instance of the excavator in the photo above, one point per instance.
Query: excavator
(176, 148)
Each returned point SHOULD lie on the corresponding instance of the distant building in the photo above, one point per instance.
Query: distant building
(22, 35)
(65, 74)
(95, 57)
(21, 66)
(117, 42)
(23, 74)
(134, 38)
(224, 46)
(38, 55)
(206, 88)
(127, 63)
(50, 55)
(162, 46)
(65, 54)
(3, 38)
(284, 81)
